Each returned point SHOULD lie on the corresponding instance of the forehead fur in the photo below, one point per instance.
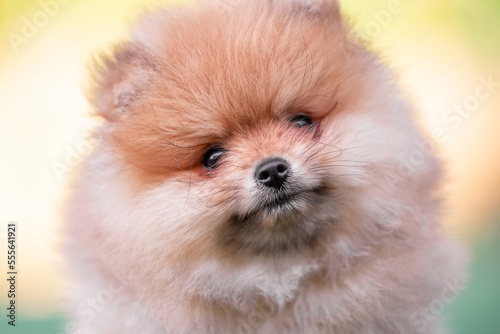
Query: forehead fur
(191, 77)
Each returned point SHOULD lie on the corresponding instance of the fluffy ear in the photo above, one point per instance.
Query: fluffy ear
(119, 77)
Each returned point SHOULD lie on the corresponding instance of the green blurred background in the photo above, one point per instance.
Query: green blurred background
(440, 48)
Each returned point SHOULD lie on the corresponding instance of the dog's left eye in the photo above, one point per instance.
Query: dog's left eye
(301, 121)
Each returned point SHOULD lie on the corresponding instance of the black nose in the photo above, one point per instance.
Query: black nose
(272, 173)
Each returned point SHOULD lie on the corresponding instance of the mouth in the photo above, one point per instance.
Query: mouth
(283, 223)
(291, 200)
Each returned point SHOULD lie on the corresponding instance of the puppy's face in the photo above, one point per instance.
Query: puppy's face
(257, 129)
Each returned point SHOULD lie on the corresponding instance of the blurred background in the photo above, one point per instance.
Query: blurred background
(446, 51)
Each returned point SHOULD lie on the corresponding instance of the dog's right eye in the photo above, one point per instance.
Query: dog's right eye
(211, 158)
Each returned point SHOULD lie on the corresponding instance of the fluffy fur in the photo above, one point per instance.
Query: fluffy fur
(160, 244)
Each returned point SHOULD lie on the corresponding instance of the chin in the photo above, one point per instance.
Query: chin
(257, 170)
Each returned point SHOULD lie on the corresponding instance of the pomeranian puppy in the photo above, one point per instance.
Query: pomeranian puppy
(257, 171)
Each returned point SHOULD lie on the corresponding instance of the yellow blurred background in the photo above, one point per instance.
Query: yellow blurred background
(444, 51)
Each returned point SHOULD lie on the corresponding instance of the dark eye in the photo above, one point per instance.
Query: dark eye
(300, 121)
(212, 157)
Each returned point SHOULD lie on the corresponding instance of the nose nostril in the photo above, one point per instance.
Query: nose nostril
(264, 175)
(281, 168)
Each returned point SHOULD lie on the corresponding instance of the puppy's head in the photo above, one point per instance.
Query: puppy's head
(257, 128)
